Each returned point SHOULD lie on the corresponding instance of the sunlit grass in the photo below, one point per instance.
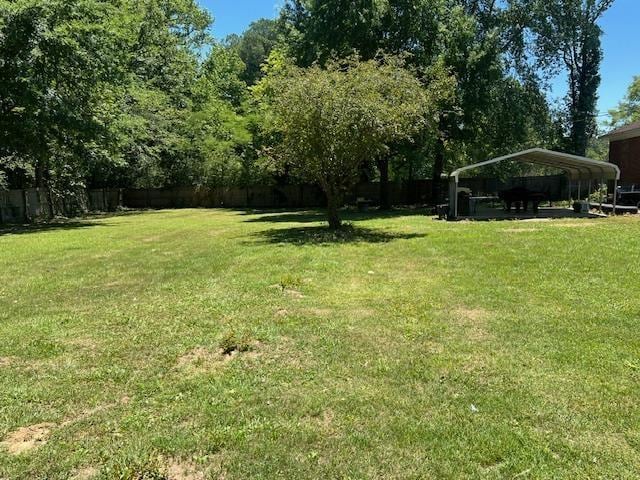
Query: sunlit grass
(235, 344)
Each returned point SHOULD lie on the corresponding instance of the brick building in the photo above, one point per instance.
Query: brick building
(624, 151)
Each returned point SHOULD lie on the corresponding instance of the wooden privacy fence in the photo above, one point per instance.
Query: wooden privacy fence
(416, 192)
(22, 206)
(39, 204)
(288, 196)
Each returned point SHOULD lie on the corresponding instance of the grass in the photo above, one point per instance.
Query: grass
(226, 344)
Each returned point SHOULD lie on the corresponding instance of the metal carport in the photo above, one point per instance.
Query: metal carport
(576, 168)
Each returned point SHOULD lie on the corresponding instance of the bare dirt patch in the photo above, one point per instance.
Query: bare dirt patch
(183, 470)
(5, 362)
(85, 473)
(362, 312)
(33, 436)
(574, 225)
(27, 438)
(151, 239)
(287, 290)
(290, 292)
(203, 358)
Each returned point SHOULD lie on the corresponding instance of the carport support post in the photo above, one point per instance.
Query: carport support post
(601, 194)
(580, 190)
(453, 197)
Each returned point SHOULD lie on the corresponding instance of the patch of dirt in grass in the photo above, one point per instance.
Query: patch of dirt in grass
(318, 312)
(290, 292)
(86, 414)
(282, 312)
(5, 362)
(183, 470)
(85, 473)
(362, 312)
(203, 358)
(27, 438)
(473, 321)
(287, 290)
(610, 442)
(326, 420)
(85, 343)
(574, 225)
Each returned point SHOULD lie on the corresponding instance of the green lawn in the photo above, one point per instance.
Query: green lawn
(406, 348)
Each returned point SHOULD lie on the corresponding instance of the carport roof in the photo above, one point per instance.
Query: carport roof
(577, 168)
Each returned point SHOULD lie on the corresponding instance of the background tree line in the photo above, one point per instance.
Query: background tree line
(136, 93)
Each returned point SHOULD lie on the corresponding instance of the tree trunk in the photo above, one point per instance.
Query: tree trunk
(438, 170)
(383, 167)
(333, 206)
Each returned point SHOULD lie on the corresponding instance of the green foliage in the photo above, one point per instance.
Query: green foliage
(106, 93)
(59, 60)
(628, 110)
(232, 342)
(135, 93)
(223, 70)
(335, 120)
(482, 44)
(567, 34)
(318, 30)
(254, 47)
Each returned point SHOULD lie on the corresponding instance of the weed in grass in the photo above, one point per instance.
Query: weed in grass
(290, 282)
(232, 342)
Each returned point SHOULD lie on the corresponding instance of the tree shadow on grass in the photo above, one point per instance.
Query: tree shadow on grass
(313, 216)
(69, 223)
(47, 227)
(324, 236)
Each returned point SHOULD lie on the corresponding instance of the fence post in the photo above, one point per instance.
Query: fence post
(26, 205)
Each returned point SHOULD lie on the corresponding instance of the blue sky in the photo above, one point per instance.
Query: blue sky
(620, 41)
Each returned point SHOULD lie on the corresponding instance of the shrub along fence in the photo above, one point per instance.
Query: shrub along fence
(22, 206)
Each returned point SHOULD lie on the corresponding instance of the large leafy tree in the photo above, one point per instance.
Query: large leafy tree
(319, 30)
(99, 92)
(568, 36)
(332, 121)
(481, 43)
(254, 46)
(60, 62)
(155, 144)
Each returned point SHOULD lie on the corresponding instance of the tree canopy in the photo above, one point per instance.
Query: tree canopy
(333, 120)
(628, 110)
(127, 93)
